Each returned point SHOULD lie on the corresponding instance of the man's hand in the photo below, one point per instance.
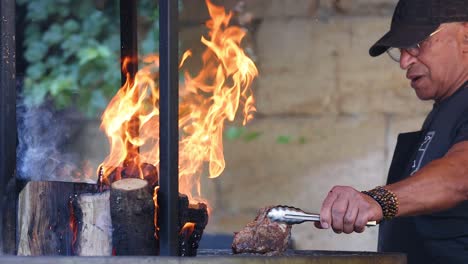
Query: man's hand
(348, 210)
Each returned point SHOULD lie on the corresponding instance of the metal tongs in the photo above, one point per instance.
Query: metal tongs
(292, 215)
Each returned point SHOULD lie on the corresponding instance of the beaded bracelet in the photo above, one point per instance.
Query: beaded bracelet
(386, 199)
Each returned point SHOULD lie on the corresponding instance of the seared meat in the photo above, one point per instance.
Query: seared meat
(262, 236)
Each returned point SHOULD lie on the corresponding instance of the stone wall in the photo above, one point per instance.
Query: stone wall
(340, 109)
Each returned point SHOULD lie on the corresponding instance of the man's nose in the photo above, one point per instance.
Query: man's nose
(406, 59)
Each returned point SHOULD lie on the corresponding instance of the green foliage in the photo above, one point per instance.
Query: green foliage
(241, 133)
(73, 50)
(302, 140)
(234, 132)
(283, 139)
(249, 136)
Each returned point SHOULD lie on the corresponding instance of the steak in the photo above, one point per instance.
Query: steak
(262, 236)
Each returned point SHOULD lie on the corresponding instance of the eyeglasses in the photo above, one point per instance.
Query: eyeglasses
(395, 53)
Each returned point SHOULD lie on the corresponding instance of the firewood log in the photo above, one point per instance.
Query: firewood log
(132, 212)
(196, 215)
(91, 212)
(43, 219)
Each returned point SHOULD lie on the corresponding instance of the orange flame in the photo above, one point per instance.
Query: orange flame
(156, 212)
(72, 222)
(187, 229)
(207, 100)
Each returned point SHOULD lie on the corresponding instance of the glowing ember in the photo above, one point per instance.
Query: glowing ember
(156, 210)
(72, 222)
(207, 100)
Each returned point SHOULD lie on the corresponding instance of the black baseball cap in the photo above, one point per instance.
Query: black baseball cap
(414, 20)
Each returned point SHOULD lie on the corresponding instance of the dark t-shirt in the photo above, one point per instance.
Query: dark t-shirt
(446, 125)
(440, 237)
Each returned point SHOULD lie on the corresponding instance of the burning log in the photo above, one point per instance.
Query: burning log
(43, 219)
(132, 212)
(91, 221)
(192, 221)
(148, 172)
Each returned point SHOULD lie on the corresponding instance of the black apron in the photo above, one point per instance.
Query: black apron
(399, 234)
(435, 238)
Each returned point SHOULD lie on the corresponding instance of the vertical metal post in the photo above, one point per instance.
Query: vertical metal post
(168, 193)
(129, 49)
(128, 36)
(7, 128)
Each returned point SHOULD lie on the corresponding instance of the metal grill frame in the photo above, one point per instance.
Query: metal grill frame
(8, 137)
(168, 192)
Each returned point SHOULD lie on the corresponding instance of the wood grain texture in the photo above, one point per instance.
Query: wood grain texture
(43, 219)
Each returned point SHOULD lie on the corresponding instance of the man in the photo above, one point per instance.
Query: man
(423, 209)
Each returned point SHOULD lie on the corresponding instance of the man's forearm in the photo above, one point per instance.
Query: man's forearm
(440, 185)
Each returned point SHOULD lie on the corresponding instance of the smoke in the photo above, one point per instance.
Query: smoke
(44, 142)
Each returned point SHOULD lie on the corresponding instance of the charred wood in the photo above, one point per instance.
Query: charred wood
(132, 213)
(80, 188)
(196, 218)
(192, 221)
(43, 216)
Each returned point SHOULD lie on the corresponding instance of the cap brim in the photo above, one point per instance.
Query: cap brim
(401, 37)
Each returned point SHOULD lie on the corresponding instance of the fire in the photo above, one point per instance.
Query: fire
(214, 95)
(72, 222)
(156, 210)
(187, 229)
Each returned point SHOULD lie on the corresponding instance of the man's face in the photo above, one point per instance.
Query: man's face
(440, 68)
